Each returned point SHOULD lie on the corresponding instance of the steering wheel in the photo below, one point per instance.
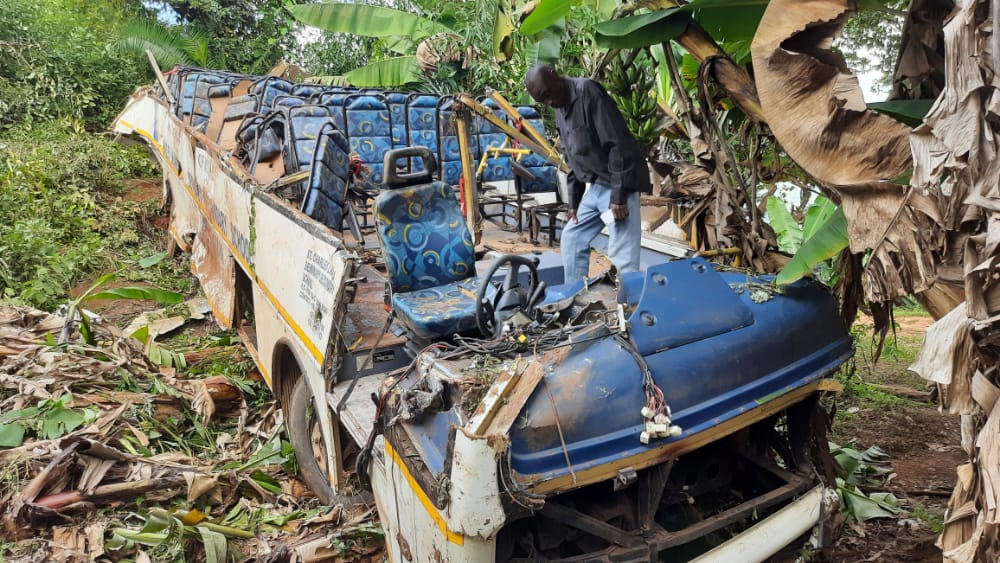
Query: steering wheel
(508, 297)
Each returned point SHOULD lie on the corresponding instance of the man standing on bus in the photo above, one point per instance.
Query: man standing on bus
(601, 151)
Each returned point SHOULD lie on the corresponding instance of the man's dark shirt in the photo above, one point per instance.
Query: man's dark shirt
(598, 145)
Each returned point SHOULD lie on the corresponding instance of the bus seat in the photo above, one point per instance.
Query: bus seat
(369, 131)
(327, 187)
(429, 252)
(421, 125)
(305, 124)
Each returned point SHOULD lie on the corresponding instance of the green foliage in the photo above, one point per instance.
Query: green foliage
(862, 468)
(789, 233)
(827, 241)
(242, 36)
(641, 30)
(910, 112)
(170, 45)
(54, 182)
(393, 72)
(53, 61)
(49, 419)
(334, 54)
(632, 90)
(366, 20)
(933, 519)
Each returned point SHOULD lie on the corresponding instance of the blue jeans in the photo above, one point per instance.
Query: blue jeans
(625, 235)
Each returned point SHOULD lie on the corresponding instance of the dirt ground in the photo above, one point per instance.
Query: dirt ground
(923, 446)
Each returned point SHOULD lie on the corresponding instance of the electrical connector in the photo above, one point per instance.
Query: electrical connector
(659, 429)
(661, 419)
(649, 428)
(646, 412)
(644, 437)
(676, 430)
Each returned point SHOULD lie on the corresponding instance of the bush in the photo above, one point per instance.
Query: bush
(55, 181)
(54, 62)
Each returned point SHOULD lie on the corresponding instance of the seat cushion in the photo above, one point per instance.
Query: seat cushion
(424, 237)
(437, 312)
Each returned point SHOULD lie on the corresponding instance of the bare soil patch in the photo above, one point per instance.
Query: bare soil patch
(922, 443)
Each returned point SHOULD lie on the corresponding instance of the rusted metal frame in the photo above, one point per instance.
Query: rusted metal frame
(652, 483)
(591, 525)
(671, 450)
(796, 485)
(540, 149)
(160, 78)
(537, 136)
(463, 123)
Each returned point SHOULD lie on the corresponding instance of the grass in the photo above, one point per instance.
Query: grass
(933, 519)
(58, 223)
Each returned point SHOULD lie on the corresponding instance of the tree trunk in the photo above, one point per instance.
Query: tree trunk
(939, 236)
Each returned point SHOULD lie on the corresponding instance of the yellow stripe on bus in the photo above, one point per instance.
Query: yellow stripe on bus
(435, 514)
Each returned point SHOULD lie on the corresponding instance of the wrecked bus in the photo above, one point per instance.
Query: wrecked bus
(494, 413)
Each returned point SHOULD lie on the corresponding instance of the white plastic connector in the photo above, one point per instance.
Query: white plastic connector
(660, 429)
(676, 430)
(649, 428)
(646, 412)
(661, 419)
(644, 437)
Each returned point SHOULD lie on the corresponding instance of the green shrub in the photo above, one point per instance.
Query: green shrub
(55, 182)
(54, 62)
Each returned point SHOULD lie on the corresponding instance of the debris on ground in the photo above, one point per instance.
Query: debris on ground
(105, 455)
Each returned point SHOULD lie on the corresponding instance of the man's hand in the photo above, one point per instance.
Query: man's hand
(620, 211)
(571, 215)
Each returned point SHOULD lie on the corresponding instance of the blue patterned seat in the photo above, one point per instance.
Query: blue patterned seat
(335, 101)
(286, 101)
(307, 90)
(327, 188)
(397, 110)
(546, 174)
(430, 258)
(193, 104)
(421, 125)
(368, 125)
(304, 123)
(269, 88)
(498, 168)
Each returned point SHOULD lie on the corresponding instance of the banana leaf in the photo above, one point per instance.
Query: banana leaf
(366, 20)
(664, 88)
(546, 13)
(784, 225)
(503, 28)
(910, 112)
(396, 71)
(151, 293)
(548, 48)
(728, 20)
(816, 215)
(642, 30)
(828, 240)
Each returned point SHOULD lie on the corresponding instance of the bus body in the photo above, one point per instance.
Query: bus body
(602, 421)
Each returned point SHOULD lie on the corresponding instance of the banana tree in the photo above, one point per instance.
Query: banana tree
(923, 202)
